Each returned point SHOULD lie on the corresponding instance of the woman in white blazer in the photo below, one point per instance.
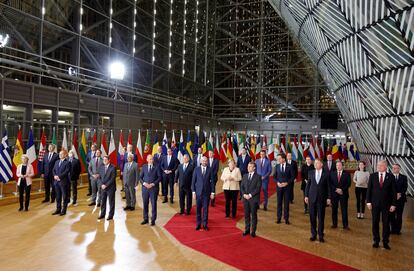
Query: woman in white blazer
(231, 178)
(24, 174)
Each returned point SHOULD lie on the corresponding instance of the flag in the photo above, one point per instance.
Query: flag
(351, 152)
(317, 150)
(18, 152)
(83, 153)
(247, 144)
(258, 147)
(204, 145)
(335, 151)
(130, 137)
(282, 145)
(42, 149)
(241, 139)
(174, 145)
(288, 145)
(356, 154)
(164, 143)
(301, 156)
(6, 172)
(295, 153)
(277, 146)
(147, 147)
(264, 144)
(112, 151)
(181, 150)
(31, 151)
(94, 139)
(196, 144)
(235, 147)
(252, 147)
(271, 149)
(229, 153)
(74, 147)
(322, 148)
(64, 141)
(345, 152)
(156, 144)
(340, 150)
(188, 146)
(138, 150)
(223, 149)
(305, 150)
(217, 148)
(104, 146)
(54, 141)
(121, 151)
(311, 150)
(210, 145)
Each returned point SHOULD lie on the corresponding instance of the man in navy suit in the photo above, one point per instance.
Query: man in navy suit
(203, 189)
(213, 164)
(183, 176)
(107, 175)
(317, 196)
(250, 189)
(169, 165)
(381, 200)
(61, 176)
(75, 170)
(401, 185)
(243, 161)
(264, 169)
(49, 160)
(294, 167)
(158, 157)
(150, 179)
(340, 181)
(283, 178)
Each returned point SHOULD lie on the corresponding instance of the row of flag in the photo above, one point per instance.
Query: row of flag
(224, 146)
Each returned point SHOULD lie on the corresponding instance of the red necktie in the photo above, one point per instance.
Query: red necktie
(381, 181)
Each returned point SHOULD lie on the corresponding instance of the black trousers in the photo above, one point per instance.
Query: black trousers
(377, 212)
(110, 195)
(89, 184)
(231, 199)
(396, 216)
(304, 203)
(147, 196)
(49, 184)
(361, 195)
(24, 188)
(72, 188)
(292, 191)
(283, 199)
(250, 215)
(61, 194)
(167, 182)
(186, 199)
(317, 210)
(344, 210)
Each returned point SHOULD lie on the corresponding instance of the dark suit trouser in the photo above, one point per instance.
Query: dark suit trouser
(61, 193)
(283, 198)
(89, 184)
(130, 196)
(24, 188)
(168, 182)
(185, 195)
(202, 206)
(110, 195)
(72, 188)
(292, 191)
(250, 215)
(265, 188)
(147, 195)
(396, 216)
(49, 183)
(231, 199)
(344, 210)
(317, 209)
(377, 211)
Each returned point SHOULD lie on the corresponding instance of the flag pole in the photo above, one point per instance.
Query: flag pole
(1, 190)
(40, 183)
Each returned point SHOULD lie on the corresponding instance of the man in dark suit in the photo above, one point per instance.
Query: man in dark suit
(49, 160)
(197, 157)
(130, 180)
(203, 189)
(107, 175)
(317, 196)
(251, 185)
(93, 170)
(158, 158)
(264, 169)
(89, 157)
(294, 167)
(61, 172)
(283, 178)
(306, 168)
(150, 178)
(75, 171)
(169, 165)
(243, 161)
(401, 185)
(340, 181)
(329, 166)
(183, 176)
(381, 199)
(213, 164)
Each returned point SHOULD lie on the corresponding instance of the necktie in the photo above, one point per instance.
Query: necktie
(185, 167)
(211, 162)
(60, 162)
(396, 178)
(262, 162)
(169, 160)
(318, 177)
(96, 163)
(250, 176)
(204, 171)
(339, 177)
(106, 168)
(150, 167)
(283, 168)
(50, 156)
(129, 166)
(381, 181)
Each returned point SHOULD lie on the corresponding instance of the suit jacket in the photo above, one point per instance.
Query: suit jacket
(63, 171)
(29, 173)
(327, 169)
(47, 165)
(203, 185)
(108, 178)
(318, 192)
(125, 160)
(284, 177)
(184, 178)
(172, 166)
(147, 176)
(90, 156)
(294, 168)
(214, 168)
(75, 169)
(264, 170)
(401, 186)
(93, 168)
(243, 165)
(344, 184)
(130, 174)
(381, 197)
(304, 174)
(157, 159)
(195, 160)
(252, 187)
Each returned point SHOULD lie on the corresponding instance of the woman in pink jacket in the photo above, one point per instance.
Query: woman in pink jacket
(24, 173)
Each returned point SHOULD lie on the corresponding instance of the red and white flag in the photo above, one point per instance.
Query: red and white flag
(138, 150)
(42, 146)
(75, 147)
(104, 146)
(112, 151)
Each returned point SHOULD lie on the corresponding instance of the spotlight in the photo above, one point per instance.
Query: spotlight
(4, 39)
(117, 70)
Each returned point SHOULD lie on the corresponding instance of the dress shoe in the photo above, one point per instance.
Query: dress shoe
(197, 228)
(278, 222)
(206, 228)
(62, 213)
(253, 234)
(46, 200)
(181, 212)
(246, 233)
(152, 223)
(144, 222)
(57, 212)
(347, 228)
(98, 205)
(92, 204)
(265, 208)
(171, 201)
(375, 245)
(187, 213)
(109, 218)
(123, 197)
(131, 208)
(334, 226)
(101, 217)
(387, 247)
(89, 194)
(74, 203)
(127, 208)
(26, 209)
(20, 209)
(321, 240)
(313, 238)
(287, 222)
(165, 200)
(52, 201)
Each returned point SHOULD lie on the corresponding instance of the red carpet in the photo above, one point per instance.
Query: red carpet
(225, 243)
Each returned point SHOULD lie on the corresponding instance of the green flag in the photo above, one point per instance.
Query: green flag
(54, 141)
